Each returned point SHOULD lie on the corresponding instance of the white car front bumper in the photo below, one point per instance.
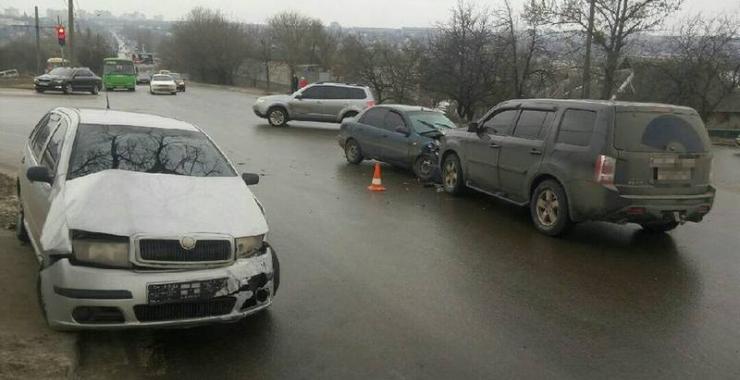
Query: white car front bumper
(84, 297)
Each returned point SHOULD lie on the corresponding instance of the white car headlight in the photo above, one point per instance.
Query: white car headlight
(260, 100)
(102, 252)
(248, 246)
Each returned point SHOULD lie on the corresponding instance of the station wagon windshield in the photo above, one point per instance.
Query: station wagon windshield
(150, 150)
(426, 121)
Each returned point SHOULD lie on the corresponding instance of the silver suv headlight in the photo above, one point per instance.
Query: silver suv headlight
(249, 246)
(101, 249)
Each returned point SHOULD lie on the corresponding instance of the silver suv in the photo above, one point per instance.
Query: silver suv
(323, 101)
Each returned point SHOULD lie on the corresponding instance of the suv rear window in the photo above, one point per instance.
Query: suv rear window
(659, 132)
(150, 150)
(577, 127)
(355, 93)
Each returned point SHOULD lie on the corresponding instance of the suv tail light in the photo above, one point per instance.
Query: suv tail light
(604, 170)
(370, 103)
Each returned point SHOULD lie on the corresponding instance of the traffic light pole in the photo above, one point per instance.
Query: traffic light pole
(38, 43)
(71, 33)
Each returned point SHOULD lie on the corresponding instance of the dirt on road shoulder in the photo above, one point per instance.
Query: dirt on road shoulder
(28, 348)
(8, 202)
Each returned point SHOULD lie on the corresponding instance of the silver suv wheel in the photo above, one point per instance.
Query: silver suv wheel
(277, 117)
(548, 208)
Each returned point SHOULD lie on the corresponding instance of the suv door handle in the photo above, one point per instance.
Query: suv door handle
(535, 152)
(493, 145)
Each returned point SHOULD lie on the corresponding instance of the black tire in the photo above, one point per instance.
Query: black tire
(40, 91)
(277, 117)
(174, 93)
(548, 208)
(424, 167)
(659, 227)
(275, 271)
(353, 152)
(132, 89)
(20, 228)
(40, 298)
(183, 89)
(95, 90)
(67, 88)
(453, 178)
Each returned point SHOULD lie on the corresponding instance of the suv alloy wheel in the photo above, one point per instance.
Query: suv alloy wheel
(277, 117)
(549, 208)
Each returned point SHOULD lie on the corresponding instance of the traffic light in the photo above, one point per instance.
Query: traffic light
(61, 35)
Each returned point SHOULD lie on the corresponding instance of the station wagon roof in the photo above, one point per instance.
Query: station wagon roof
(407, 108)
(110, 117)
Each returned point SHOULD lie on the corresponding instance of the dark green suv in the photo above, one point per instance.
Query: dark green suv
(579, 160)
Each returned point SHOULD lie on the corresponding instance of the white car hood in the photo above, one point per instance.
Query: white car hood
(125, 203)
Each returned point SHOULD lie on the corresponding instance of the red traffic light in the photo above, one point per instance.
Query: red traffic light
(61, 35)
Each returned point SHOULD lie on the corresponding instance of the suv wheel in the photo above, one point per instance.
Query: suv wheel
(95, 90)
(67, 88)
(549, 208)
(277, 117)
(352, 152)
(659, 227)
(452, 175)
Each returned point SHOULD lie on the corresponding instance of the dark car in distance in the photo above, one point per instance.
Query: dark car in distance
(67, 80)
(397, 134)
(577, 160)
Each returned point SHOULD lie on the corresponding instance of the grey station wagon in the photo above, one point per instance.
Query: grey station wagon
(576, 160)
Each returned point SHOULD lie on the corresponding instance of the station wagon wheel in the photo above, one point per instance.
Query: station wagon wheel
(549, 208)
(353, 152)
(277, 117)
(659, 227)
(68, 88)
(95, 89)
(453, 179)
(424, 167)
(20, 227)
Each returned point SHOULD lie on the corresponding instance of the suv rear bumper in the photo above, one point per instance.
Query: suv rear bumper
(621, 208)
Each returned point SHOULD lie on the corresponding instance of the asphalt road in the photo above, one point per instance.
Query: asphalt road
(413, 283)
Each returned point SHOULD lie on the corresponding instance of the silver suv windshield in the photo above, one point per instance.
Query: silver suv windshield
(149, 150)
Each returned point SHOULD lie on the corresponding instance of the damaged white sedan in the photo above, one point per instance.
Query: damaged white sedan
(140, 220)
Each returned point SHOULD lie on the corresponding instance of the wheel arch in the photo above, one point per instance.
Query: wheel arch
(542, 177)
(346, 113)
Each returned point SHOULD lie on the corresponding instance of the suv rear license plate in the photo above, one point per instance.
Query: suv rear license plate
(673, 174)
(184, 291)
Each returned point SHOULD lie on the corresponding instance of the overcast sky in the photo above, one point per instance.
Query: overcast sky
(373, 13)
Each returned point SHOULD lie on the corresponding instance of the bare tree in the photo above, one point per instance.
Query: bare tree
(298, 39)
(703, 68)
(207, 45)
(461, 60)
(615, 22)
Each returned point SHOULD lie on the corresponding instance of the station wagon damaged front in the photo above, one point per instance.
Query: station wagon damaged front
(141, 224)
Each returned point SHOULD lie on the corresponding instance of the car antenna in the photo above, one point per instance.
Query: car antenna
(107, 101)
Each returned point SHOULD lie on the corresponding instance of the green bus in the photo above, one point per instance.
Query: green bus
(119, 73)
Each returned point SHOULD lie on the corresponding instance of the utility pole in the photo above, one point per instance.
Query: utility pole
(586, 88)
(71, 31)
(38, 43)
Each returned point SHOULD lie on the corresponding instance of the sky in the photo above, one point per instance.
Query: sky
(365, 13)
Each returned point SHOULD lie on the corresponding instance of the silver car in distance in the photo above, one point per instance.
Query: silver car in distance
(140, 220)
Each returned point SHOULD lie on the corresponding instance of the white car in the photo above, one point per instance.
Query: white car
(140, 220)
(162, 84)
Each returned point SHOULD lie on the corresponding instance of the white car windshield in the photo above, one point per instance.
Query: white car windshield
(162, 78)
(150, 150)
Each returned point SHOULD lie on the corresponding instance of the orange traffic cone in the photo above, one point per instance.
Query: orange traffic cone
(377, 184)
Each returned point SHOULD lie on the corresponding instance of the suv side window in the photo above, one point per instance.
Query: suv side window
(374, 116)
(355, 93)
(83, 73)
(334, 92)
(501, 123)
(42, 134)
(576, 127)
(531, 123)
(316, 92)
(54, 147)
(392, 121)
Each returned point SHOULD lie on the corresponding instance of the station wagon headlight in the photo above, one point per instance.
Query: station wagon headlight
(249, 246)
(104, 250)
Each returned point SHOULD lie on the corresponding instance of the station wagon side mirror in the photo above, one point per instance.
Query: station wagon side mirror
(39, 174)
(402, 130)
(251, 178)
(298, 96)
(473, 127)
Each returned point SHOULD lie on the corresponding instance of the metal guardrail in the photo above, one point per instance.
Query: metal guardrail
(724, 133)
